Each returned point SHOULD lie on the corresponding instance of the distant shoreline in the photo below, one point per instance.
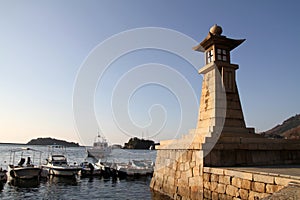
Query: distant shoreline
(8, 143)
(24, 144)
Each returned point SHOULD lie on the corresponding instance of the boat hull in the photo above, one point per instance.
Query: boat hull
(98, 153)
(3, 176)
(135, 168)
(62, 171)
(89, 170)
(89, 173)
(24, 172)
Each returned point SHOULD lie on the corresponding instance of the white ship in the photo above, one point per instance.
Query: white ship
(100, 148)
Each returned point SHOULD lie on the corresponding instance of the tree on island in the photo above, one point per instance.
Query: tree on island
(136, 143)
(52, 141)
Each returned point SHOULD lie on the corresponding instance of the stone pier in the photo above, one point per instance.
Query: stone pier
(184, 167)
(178, 173)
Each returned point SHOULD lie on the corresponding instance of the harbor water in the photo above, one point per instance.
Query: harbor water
(80, 188)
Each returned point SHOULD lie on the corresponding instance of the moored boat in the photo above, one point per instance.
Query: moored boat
(134, 168)
(106, 169)
(100, 148)
(57, 164)
(90, 170)
(22, 170)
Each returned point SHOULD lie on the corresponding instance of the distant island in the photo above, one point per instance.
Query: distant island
(289, 129)
(51, 141)
(136, 143)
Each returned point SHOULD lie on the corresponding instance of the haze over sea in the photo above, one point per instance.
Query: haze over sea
(80, 188)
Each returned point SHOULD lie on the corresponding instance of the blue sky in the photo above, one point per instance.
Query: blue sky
(43, 44)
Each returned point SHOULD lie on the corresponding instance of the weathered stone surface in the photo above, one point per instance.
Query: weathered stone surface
(207, 193)
(206, 177)
(170, 180)
(158, 185)
(225, 197)
(237, 182)
(197, 157)
(152, 183)
(206, 170)
(263, 178)
(183, 191)
(242, 175)
(169, 189)
(174, 165)
(244, 194)
(188, 173)
(291, 192)
(221, 188)
(213, 186)
(192, 164)
(232, 191)
(195, 181)
(215, 196)
(196, 171)
(171, 172)
(177, 174)
(225, 179)
(181, 166)
(217, 171)
(214, 178)
(206, 185)
(282, 181)
(270, 188)
(258, 187)
(183, 182)
(196, 192)
(189, 155)
(246, 184)
(256, 195)
(187, 165)
(280, 187)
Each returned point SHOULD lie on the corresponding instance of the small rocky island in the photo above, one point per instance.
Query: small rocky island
(52, 141)
(136, 143)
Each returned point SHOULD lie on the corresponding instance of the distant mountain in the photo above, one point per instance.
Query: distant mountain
(51, 141)
(289, 129)
(136, 143)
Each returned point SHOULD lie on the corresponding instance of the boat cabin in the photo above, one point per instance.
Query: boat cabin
(58, 160)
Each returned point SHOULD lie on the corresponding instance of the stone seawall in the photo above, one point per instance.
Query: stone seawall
(221, 183)
(238, 151)
(178, 174)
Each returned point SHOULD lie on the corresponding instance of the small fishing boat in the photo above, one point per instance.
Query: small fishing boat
(22, 170)
(106, 170)
(57, 164)
(134, 168)
(100, 148)
(90, 169)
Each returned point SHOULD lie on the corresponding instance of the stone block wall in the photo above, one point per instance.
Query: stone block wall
(178, 174)
(221, 183)
(239, 151)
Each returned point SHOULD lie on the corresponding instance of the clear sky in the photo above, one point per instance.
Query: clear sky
(43, 45)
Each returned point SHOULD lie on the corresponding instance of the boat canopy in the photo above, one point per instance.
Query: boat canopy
(25, 149)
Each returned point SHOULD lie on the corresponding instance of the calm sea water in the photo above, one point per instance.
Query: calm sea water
(80, 188)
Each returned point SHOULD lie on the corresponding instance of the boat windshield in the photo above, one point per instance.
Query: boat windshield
(59, 158)
(59, 163)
